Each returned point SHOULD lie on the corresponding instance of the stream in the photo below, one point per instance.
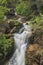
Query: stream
(20, 41)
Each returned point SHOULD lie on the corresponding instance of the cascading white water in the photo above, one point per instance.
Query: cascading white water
(20, 40)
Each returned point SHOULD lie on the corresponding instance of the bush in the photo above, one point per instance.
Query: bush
(2, 12)
(37, 22)
(23, 9)
(5, 44)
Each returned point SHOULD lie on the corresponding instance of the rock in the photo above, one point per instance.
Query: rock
(33, 47)
(38, 36)
(34, 55)
(15, 24)
(10, 13)
(34, 51)
(4, 27)
(10, 25)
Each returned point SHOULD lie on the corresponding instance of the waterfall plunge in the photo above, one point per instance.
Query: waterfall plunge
(21, 40)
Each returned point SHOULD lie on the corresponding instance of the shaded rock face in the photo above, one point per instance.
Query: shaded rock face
(10, 14)
(11, 24)
(34, 51)
(15, 26)
(38, 36)
(4, 26)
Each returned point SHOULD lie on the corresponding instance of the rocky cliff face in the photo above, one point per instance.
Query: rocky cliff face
(34, 55)
(34, 52)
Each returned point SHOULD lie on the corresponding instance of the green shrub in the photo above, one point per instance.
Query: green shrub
(5, 44)
(37, 22)
(2, 1)
(23, 9)
(2, 11)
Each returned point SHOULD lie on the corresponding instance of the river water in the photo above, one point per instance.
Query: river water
(20, 41)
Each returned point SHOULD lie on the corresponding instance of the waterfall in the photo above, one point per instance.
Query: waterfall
(21, 40)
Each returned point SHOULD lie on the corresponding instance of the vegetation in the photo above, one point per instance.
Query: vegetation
(37, 22)
(32, 9)
(22, 7)
(5, 44)
(2, 11)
